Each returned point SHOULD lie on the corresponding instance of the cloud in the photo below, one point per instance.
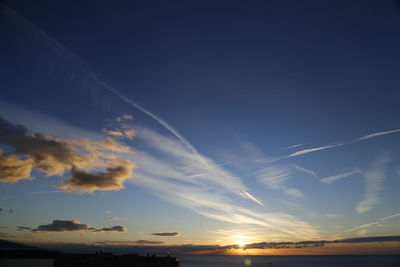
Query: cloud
(23, 228)
(185, 166)
(373, 135)
(391, 216)
(62, 226)
(373, 180)
(51, 156)
(170, 172)
(253, 198)
(331, 215)
(315, 149)
(44, 192)
(127, 133)
(114, 218)
(167, 234)
(14, 169)
(339, 176)
(316, 243)
(55, 156)
(377, 222)
(123, 242)
(145, 246)
(117, 228)
(362, 232)
(124, 117)
(112, 179)
(75, 225)
(85, 68)
(310, 150)
(274, 177)
(307, 171)
(293, 146)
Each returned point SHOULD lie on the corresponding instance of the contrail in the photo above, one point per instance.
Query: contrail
(85, 68)
(253, 198)
(64, 52)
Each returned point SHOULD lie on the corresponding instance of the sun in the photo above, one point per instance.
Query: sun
(241, 243)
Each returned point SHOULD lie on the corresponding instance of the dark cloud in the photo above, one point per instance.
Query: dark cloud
(137, 242)
(75, 225)
(303, 244)
(141, 248)
(167, 234)
(370, 239)
(1, 209)
(22, 228)
(117, 228)
(55, 156)
(112, 179)
(50, 155)
(147, 242)
(62, 226)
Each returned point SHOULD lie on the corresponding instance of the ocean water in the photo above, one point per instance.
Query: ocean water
(26, 262)
(289, 261)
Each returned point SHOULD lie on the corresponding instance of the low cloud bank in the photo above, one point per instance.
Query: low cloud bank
(167, 234)
(74, 225)
(146, 246)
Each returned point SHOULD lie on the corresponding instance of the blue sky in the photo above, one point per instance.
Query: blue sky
(251, 122)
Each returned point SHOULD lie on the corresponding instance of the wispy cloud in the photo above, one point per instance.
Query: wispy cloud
(377, 222)
(23, 228)
(88, 70)
(339, 144)
(275, 176)
(253, 198)
(293, 146)
(171, 172)
(146, 246)
(44, 192)
(334, 178)
(314, 149)
(373, 135)
(187, 167)
(373, 180)
(305, 170)
(389, 217)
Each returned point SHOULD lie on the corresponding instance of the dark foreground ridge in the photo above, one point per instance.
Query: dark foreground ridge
(109, 260)
(97, 259)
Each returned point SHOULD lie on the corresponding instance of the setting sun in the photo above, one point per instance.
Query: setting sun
(200, 133)
(241, 243)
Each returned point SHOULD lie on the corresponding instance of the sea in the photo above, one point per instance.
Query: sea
(252, 261)
(289, 261)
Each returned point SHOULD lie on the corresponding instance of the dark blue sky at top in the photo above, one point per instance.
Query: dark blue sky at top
(293, 71)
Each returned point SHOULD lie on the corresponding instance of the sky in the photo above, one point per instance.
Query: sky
(201, 126)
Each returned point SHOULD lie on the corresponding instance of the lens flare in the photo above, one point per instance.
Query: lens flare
(247, 261)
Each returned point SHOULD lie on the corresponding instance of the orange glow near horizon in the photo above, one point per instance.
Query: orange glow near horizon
(367, 248)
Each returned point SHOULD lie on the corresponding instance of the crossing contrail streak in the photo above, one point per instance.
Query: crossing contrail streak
(64, 52)
(85, 68)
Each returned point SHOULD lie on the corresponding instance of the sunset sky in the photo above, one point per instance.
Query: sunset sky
(204, 123)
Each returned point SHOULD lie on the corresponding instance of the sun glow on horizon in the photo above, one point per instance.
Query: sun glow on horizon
(241, 243)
